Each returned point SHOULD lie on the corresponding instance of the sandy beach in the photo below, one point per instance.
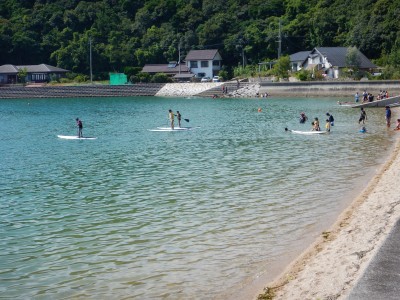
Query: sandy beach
(331, 266)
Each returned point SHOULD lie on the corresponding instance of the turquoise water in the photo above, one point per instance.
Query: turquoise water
(169, 215)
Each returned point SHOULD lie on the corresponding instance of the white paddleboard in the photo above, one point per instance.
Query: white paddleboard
(309, 132)
(172, 130)
(347, 104)
(175, 128)
(74, 137)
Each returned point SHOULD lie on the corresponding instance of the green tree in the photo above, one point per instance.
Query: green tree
(22, 74)
(304, 75)
(353, 61)
(282, 66)
(136, 32)
(161, 78)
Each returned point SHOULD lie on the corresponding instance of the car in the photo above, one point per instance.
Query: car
(205, 79)
(216, 79)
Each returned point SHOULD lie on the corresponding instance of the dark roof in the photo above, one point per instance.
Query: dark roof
(337, 57)
(184, 75)
(299, 56)
(8, 69)
(201, 54)
(163, 68)
(42, 68)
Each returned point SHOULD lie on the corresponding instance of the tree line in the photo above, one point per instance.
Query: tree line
(131, 33)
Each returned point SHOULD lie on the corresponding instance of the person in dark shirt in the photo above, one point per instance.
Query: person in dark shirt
(80, 127)
(178, 114)
(303, 118)
(388, 116)
(363, 116)
(331, 119)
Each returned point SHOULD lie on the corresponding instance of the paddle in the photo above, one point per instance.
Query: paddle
(187, 120)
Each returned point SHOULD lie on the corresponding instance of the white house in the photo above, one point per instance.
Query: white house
(328, 59)
(297, 60)
(204, 63)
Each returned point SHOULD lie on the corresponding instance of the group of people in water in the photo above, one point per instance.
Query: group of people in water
(330, 121)
(388, 117)
(363, 117)
(368, 97)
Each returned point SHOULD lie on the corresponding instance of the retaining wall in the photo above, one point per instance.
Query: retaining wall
(345, 88)
(300, 89)
(139, 89)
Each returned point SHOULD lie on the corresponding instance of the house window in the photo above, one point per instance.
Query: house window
(38, 77)
(204, 64)
(193, 64)
(216, 63)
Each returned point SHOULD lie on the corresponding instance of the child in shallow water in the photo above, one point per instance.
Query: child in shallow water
(328, 125)
(316, 125)
(397, 125)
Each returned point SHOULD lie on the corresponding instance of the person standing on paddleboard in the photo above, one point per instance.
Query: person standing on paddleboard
(178, 115)
(80, 127)
(171, 118)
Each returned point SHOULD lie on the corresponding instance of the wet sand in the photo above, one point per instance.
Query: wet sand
(331, 266)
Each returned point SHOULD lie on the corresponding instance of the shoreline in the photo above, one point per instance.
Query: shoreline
(251, 89)
(383, 161)
(337, 259)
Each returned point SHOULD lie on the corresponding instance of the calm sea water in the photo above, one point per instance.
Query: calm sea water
(169, 215)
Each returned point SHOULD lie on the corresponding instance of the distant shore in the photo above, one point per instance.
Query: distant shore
(250, 89)
(329, 88)
(331, 266)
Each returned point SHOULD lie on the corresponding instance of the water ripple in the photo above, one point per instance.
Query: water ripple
(138, 215)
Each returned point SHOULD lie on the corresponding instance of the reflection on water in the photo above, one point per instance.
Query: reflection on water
(168, 215)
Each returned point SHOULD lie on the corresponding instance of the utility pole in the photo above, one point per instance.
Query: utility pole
(279, 40)
(179, 56)
(90, 59)
(243, 55)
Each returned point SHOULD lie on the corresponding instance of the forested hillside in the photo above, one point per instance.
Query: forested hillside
(135, 32)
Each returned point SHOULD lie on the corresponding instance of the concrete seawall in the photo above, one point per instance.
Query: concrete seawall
(329, 89)
(139, 89)
(298, 89)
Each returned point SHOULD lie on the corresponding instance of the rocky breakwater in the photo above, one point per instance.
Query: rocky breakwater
(186, 89)
(248, 91)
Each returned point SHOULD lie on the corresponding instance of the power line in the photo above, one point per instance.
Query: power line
(279, 40)
(90, 56)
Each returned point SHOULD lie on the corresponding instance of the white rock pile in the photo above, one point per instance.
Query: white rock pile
(249, 91)
(186, 89)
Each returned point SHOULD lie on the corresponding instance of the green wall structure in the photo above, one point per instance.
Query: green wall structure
(118, 79)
